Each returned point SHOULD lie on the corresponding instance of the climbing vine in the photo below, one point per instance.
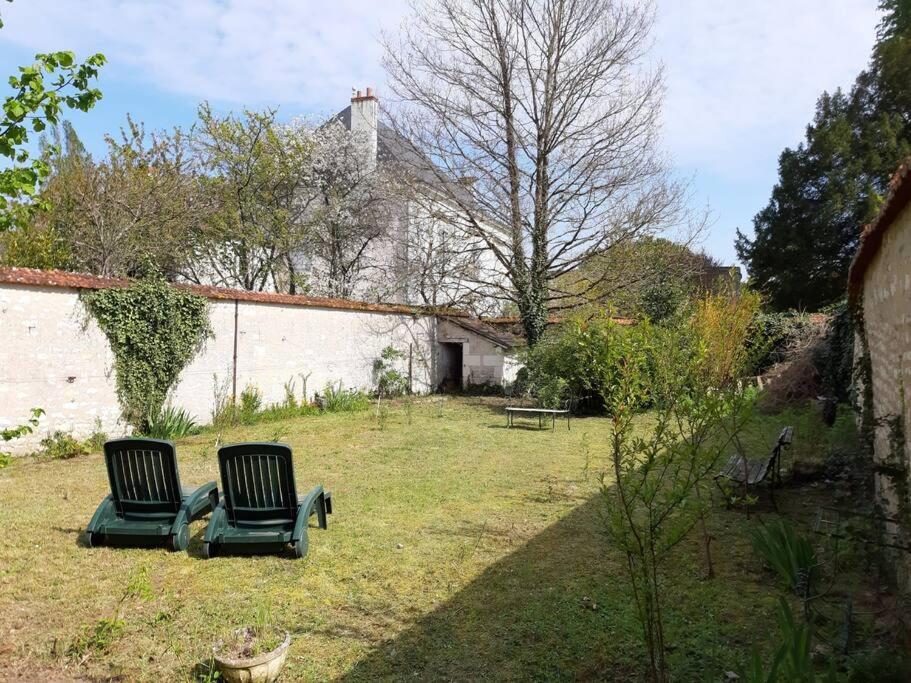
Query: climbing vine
(154, 330)
(863, 381)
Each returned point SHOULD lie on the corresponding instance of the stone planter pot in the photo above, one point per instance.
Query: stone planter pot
(263, 668)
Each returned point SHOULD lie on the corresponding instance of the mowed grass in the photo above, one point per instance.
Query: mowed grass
(458, 550)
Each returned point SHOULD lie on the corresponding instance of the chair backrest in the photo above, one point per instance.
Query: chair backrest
(258, 483)
(784, 441)
(786, 436)
(143, 477)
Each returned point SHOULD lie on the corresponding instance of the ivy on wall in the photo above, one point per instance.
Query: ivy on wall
(154, 330)
(893, 501)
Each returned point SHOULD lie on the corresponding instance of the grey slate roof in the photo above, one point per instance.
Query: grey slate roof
(392, 147)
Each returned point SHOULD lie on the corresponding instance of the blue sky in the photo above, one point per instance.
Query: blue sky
(741, 77)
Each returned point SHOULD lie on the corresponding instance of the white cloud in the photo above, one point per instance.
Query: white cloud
(300, 52)
(743, 77)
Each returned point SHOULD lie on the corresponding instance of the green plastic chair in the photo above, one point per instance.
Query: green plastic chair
(147, 504)
(260, 511)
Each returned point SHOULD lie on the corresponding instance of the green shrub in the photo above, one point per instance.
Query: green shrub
(792, 659)
(250, 409)
(171, 423)
(62, 446)
(552, 392)
(11, 433)
(581, 359)
(390, 381)
(97, 438)
(251, 400)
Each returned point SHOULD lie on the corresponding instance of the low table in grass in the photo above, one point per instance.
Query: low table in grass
(540, 412)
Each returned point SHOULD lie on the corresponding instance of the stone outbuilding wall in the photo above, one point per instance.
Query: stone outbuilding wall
(488, 356)
(880, 295)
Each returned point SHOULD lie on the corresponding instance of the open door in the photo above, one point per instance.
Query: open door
(450, 367)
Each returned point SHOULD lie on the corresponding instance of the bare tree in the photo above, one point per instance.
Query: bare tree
(437, 264)
(544, 105)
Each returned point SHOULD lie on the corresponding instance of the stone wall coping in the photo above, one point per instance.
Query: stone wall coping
(67, 280)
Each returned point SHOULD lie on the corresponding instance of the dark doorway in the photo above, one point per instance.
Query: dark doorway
(450, 367)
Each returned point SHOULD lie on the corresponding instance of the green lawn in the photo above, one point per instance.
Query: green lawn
(458, 550)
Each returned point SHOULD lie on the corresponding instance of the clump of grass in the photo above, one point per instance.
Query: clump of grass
(250, 641)
(251, 400)
(97, 438)
(172, 423)
(101, 635)
(790, 554)
(250, 409)
(98, 637)
(337, 399)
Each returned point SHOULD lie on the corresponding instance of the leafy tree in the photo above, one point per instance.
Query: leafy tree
(41, 91)
(648, 277)
(256, 173)
(142, 201)
(654, 486)
(834, 181)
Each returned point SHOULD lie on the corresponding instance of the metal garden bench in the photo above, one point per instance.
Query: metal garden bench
(747, 473)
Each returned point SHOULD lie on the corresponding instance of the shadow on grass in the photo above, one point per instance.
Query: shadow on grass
(529, 427)
(536, 614)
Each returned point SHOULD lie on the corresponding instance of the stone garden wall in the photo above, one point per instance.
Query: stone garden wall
(53, 356)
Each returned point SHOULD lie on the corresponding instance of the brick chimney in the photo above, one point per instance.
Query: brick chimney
(364, 113)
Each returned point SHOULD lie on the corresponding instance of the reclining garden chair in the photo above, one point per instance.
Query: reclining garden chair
(147, 502)
(260, 511)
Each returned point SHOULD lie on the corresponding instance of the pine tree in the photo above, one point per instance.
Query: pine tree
(834, 181)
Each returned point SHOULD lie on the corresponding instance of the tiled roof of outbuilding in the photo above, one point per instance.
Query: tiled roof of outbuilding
(872, 237)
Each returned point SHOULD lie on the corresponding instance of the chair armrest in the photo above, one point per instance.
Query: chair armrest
(217, 523)
(306, 508)
(105, 512)
(195, 502)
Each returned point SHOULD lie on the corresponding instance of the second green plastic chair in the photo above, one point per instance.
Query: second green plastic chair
(260, 511)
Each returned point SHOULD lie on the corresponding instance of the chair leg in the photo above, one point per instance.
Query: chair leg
(321, 511)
